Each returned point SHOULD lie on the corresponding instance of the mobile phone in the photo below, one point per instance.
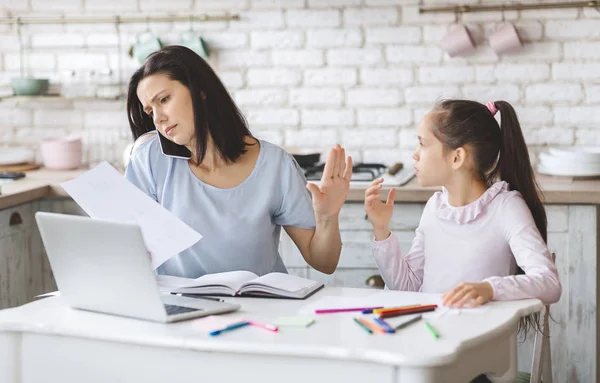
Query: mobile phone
(171, 149)
(12, 175)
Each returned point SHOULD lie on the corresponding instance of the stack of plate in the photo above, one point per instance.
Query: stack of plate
(574, 162)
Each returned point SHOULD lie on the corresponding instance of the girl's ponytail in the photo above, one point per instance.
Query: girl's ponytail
(514, 165)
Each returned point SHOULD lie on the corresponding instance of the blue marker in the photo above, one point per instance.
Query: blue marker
(228, 328)
(385, 325)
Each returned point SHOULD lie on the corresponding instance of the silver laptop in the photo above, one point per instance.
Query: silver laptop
(103, 266)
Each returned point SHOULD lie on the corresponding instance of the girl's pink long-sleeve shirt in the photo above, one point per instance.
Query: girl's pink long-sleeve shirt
(482, 241)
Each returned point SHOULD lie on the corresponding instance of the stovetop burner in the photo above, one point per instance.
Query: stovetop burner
(360, 172)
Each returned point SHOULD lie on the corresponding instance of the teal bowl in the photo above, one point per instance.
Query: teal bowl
(29, 86)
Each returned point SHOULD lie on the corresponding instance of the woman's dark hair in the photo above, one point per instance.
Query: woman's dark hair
(215, 112)
(499, 152)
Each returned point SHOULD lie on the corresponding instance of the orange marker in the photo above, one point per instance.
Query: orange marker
(372, 326)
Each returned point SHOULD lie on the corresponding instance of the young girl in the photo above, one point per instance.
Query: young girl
(486, 225)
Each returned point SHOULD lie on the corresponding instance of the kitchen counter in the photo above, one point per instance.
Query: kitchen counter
(556, 190)
(46, 183)
(36, 184)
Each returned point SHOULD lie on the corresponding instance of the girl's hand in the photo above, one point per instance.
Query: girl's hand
(329, 197)
(379, 213)
(469, 295)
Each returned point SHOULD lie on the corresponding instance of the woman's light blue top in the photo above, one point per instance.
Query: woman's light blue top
(240, 225)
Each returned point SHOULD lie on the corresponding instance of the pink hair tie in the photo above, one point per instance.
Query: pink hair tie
(492, 108)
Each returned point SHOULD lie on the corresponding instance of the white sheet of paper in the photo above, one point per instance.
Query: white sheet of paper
(104, 193)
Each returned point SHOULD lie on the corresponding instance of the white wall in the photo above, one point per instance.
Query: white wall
(315, 72)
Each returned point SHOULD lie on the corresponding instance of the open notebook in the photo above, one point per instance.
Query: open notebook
(241, 283)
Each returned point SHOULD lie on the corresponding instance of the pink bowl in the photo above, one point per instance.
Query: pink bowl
(61, 153)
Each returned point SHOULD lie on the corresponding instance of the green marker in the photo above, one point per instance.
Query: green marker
(432, 330)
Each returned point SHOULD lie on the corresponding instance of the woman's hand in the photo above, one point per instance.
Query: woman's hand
(329, 197)
(379, 213)
(469, 295)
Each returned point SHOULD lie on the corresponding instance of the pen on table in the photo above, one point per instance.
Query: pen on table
(269, 327)
(385, 325)
(408, 322)
(229, 328)
(343, 310)
(196, 296)
(363, 326)
(432, 330)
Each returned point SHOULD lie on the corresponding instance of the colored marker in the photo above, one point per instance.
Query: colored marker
(406, 312)
(384, 325)
(228, 328)
(373, 326)
(432, 330)
(269, 327)
(405, 309)
(386, 309)
(363, 326)
(330, 311)
(408, 322)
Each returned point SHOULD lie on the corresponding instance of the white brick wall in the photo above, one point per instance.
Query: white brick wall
(316, 97)
(315, 72)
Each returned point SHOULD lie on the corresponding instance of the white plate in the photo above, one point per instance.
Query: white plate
(15, 156)
(568, 166)
(586, 153)
(568, 172)
(553, 159)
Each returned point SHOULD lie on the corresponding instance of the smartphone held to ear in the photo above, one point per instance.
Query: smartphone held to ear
(171, 149)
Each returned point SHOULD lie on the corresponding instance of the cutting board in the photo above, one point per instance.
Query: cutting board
(18, 168)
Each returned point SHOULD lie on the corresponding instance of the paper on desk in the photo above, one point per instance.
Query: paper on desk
(104, 193)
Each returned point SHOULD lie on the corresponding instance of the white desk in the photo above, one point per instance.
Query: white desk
(45, 341)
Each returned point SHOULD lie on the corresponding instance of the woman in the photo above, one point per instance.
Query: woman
(198, 159)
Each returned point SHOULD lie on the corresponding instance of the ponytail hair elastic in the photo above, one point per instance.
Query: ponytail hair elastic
(492, 108)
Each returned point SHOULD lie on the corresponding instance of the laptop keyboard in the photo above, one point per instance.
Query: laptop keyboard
(174, 310)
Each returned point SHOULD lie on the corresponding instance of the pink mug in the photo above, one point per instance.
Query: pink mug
(506, 39)
(61, 153)
(458, 41)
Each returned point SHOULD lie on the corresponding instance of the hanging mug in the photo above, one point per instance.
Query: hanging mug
(458, 41)
(505, 39)
(195, 43)
(146, 44)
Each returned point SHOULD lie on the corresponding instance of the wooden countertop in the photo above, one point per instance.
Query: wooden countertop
(36, 184)
(46, 183)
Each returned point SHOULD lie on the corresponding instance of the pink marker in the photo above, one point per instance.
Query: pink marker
(269, 327)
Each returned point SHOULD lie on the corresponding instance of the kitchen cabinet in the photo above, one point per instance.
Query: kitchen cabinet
(24, 268)
(573, 232)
